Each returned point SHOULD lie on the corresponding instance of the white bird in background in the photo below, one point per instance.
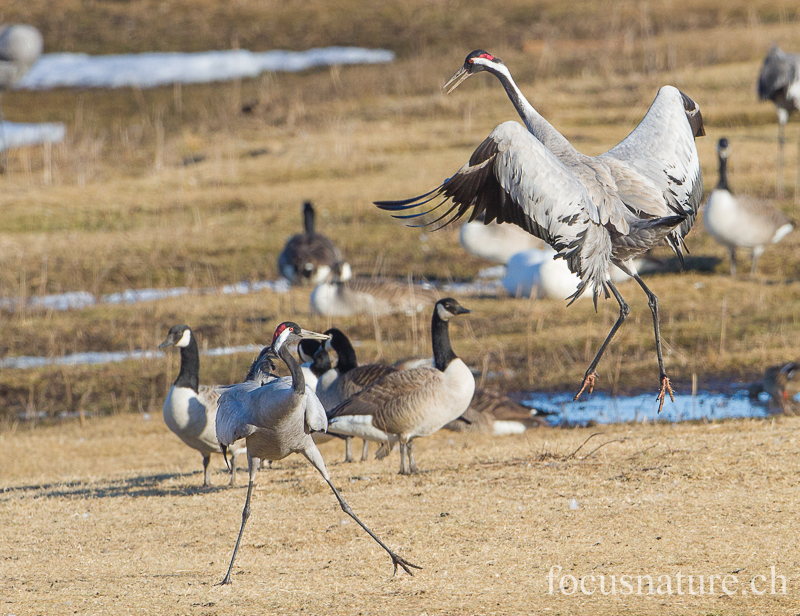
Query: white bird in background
(277, 419)
(594, 211)
(779, 81)
(408, 404)
(20, 47)
(737, 221)
(190, 410)
(494, 241)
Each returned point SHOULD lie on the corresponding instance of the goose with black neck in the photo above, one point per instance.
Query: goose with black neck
(409, 404)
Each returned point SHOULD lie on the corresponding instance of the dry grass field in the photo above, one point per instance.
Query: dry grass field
(105, 516)
(110, 519)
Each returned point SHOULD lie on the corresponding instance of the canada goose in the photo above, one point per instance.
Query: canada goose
(190, 410)
(740, 221)
(496, 242)
(344, 298)
(315, 363)
(407, 404)
(309, 257)
(595, 211)
(277, 419)
(781, 384)
(346, 380)
(491, 412)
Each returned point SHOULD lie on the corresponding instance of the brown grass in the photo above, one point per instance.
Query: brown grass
(110, 519)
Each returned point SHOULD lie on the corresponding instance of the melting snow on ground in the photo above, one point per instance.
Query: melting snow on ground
(146, 70)
(14, 135)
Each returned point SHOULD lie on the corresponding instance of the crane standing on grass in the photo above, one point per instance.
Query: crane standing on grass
(779, 82)
(594, 211)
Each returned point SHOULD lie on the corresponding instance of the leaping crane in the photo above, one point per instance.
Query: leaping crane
(594, 211)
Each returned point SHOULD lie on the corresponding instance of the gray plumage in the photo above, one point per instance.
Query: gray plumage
(409, 404)
(594, 211)
(740, 221)
(277, 419)
(374, 296)
(493, 413)
(779, 81)
(309, 257)
(190, 409)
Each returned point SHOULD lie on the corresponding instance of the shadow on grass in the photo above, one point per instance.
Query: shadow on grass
(135, 487)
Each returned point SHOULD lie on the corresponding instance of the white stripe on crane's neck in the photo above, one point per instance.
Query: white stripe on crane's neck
(186, 338)
(282, 338)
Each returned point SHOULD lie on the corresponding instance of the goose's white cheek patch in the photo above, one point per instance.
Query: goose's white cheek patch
(444, 313)
(185, 339)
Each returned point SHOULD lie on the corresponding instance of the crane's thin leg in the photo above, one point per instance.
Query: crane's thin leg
(252, 467)
(206, 477)
(779, 185)
(313, 455)
(364, 450)
(591, 375)
(732, 250)
(666, 387)
(233, 467)
(348, 448)
(412, 464)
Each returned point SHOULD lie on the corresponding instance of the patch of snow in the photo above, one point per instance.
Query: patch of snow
(16, 135)
(147, 70)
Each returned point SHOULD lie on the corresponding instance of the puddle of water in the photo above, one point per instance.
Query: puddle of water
(604, 409)
(94, 358)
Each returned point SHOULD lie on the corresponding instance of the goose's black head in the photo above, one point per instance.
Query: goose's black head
(306, 349)
(477, 61)
(179, 336)
(447, 308)
(723, 148)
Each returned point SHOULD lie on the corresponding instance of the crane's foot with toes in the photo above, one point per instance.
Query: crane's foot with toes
(402, 562)
(666, 388)
(588, 381)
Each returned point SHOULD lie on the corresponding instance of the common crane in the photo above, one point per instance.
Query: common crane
(277, 419)
(779, 81)
(594, 211)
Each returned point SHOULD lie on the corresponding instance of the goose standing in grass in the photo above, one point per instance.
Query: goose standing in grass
(779, 81)
(494, 241)
(595, 211)
(346, 380)
(277, 419)
(740, 221)
(190, 410)
(309, 257)
(408, 404)
(491, 412)
(340, 297)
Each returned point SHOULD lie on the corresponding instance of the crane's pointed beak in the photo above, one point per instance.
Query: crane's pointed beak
(456, 80)
(304, 333)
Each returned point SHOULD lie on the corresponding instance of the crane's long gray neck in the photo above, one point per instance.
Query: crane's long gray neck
(189, 376)
(298, 380)
(344, 350)
(308, 219)
(723, 174)
(535, 123)
(440, 335)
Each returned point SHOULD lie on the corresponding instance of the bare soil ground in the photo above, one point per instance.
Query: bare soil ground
(110, 519)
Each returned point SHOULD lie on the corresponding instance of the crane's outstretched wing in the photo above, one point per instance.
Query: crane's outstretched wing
(512, 177)
(660, 160)
(779, 72)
